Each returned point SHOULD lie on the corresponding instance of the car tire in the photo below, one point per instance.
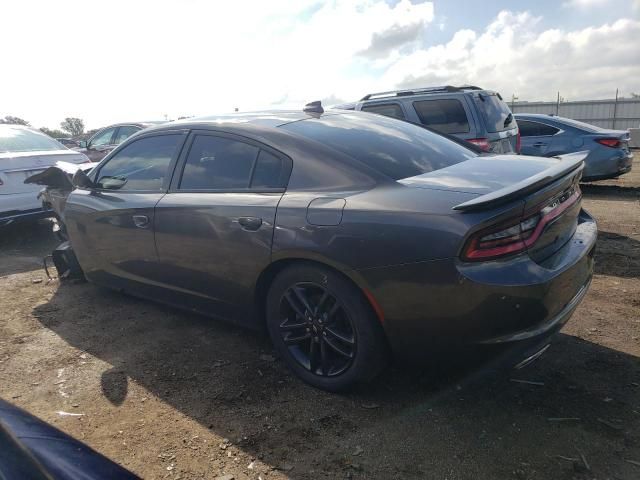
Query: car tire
(324, 328)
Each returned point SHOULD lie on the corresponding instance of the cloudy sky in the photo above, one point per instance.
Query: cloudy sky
(124, 60)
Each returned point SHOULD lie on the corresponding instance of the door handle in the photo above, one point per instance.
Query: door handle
(250, 223)
(539, 144)
(141, 221)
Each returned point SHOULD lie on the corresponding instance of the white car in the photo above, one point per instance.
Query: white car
(24, 152)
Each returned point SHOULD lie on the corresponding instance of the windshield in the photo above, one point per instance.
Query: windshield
(392, 147)
(17, 139)
(496, 113)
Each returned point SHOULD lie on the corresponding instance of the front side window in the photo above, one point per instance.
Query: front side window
(124, 133)
(103, 138)
(387, 109)
(445, 115)
(141, 166)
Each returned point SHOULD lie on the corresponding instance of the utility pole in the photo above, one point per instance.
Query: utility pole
(558, 105)
(615, 110)
(513, 100)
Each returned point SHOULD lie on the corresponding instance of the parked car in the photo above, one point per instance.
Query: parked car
(347, 234)
(108, 138)
(470, 113)
(32, 449)
(24, 152)
(69, 142)
(549, 135)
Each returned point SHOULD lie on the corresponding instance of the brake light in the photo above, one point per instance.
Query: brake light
(609, 142)
(482, 143)
(518, 142)
(516, 236)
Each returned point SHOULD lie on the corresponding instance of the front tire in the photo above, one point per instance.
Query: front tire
(324, 328)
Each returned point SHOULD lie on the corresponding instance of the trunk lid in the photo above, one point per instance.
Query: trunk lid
(16, 167)
(547, 189)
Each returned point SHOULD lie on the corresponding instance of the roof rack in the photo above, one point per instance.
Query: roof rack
(418, 91)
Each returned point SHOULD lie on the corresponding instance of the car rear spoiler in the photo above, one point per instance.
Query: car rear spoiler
(570, 163)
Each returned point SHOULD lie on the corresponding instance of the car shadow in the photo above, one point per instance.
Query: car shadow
(578, 399)
(611, 192)
(23, 246)
(617, 255)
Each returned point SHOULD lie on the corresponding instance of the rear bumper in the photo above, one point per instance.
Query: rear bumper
(511, 303)
(602, 169)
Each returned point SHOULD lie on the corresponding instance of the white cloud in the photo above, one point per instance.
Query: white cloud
(513, 56)
(585, 4)
(140, 60)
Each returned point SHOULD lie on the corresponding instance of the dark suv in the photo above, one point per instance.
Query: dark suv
(108, 138)
(471, 113)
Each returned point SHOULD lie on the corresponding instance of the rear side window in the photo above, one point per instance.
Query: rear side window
(496, 113)
(445, 115)
(394, 148)
(270, 172)
(124, 133)
(142, 165)
(220, 163)
(535, 129)
(387, 109)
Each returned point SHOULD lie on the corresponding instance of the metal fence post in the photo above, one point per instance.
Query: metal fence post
(615, 110)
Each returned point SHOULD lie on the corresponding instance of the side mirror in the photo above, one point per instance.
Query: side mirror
(82, 180)
(83, 144)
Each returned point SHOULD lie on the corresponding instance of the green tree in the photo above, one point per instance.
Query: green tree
(14, 120)
(75, 126)
(55, 133)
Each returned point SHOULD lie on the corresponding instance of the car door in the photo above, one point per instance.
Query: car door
(536, 138)
(101, 144)
(215, 226)
(111, 224)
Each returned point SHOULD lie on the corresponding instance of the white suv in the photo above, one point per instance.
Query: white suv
(25, 151)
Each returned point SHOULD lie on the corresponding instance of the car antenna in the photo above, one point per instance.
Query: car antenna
(313, 107)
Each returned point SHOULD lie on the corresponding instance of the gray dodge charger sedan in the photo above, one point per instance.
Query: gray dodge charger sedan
(352, 237)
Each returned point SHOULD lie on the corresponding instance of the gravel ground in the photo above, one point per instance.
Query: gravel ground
(172, 395)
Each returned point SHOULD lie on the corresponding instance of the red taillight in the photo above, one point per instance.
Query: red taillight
(518, 142)
(482, 143)
(609, 142)
(516, 236)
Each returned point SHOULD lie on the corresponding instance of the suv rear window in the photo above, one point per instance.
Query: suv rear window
(496, 113)
(445, 115)
(387, 109)
(394, 148)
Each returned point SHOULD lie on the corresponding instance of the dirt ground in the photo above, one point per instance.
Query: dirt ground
(172, 395)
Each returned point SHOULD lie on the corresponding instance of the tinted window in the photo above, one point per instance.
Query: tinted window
(269, 172)
(103, 138)
(528, 129)
(388, 110)
(218, 163)
(447, 116)
(496, 113)
(535, 129)
(15, 139)
(392, 147)
(124, 133)
(142, 165)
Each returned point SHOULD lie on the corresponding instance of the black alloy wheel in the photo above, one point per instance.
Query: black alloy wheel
(324, 328)
(317, 329)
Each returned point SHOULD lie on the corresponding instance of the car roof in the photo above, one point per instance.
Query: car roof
(263, 119)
